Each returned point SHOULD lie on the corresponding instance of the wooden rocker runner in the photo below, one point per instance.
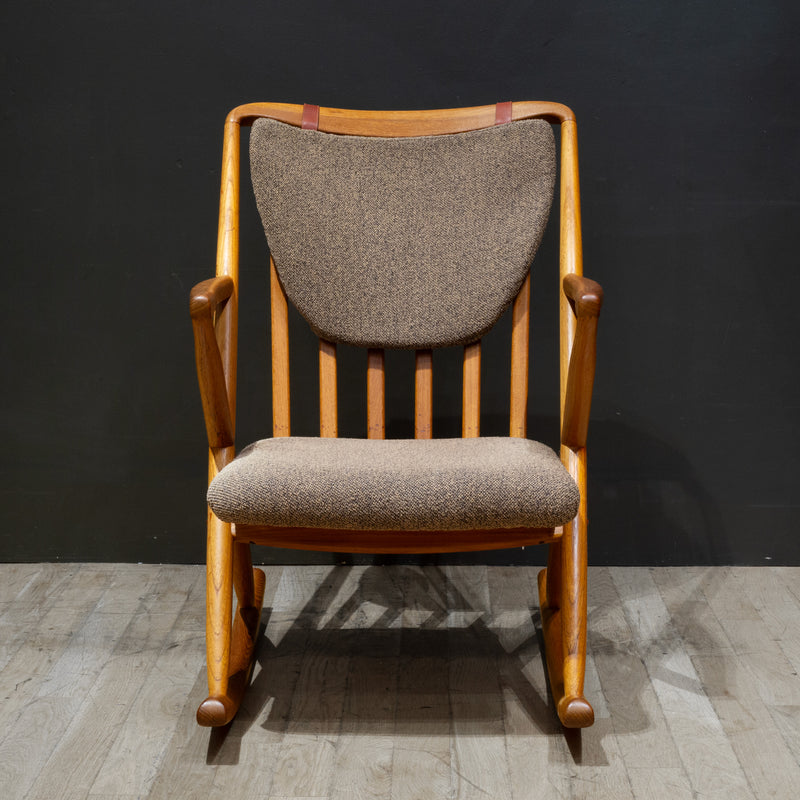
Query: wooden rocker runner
(413, 230)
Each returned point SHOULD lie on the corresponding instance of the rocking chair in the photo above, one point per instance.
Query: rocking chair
(413, 230)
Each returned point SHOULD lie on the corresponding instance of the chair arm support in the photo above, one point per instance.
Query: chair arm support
(585, 295)
(206, 297)
(586, 298)
(205, 300)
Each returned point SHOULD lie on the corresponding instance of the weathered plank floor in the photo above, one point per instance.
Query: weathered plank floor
(402, 683)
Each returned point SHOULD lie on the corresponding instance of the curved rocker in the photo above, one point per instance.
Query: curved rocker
(221, 707)
(564, 629)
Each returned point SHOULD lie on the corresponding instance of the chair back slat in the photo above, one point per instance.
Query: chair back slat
(376, 394)
(328, 407)
(471, 403)
(520, 325)
(279, 315)
(423, 394)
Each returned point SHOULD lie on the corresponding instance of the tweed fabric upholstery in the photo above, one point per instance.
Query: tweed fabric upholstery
(395, 484)
(403, 242)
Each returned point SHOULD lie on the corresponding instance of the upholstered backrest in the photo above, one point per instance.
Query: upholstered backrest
(404, 242)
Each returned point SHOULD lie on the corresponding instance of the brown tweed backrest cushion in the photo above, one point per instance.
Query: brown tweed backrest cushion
(405, 243)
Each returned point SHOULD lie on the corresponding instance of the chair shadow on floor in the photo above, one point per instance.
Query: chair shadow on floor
(405, 651)
(416, 651)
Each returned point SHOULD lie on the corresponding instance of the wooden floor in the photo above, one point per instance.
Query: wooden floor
(399, 682)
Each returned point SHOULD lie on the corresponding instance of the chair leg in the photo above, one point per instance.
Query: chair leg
(229, 647)
(243, 577)
(563, 602)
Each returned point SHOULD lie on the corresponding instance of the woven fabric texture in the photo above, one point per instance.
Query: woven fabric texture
(403, 243)
(396, 484)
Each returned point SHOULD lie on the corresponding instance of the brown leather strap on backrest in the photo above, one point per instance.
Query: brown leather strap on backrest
(502, 113)
(310, 117)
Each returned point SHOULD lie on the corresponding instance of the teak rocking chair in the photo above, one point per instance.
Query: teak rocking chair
(397, 229)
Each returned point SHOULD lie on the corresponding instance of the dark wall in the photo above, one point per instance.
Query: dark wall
(688, 124)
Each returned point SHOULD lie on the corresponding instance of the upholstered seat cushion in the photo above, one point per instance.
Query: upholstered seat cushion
(437, 484)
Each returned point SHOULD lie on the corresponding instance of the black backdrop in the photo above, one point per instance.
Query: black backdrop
(688, 128)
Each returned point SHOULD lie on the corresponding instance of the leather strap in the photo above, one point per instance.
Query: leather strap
(502, 113)
(310, 117)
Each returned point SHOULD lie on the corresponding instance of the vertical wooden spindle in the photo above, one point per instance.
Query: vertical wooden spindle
(520, 326)
(376, 394)
(328, 412)
(471, 409)
(280, 355)
(423, 394)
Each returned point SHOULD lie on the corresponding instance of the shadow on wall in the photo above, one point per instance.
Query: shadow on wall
(646, 503)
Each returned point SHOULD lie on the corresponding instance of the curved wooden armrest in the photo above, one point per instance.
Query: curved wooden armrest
(207, 296)
(586, 298)
(585, 295)
(205, 300)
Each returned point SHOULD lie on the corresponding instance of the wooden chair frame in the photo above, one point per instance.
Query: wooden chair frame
(213, 305)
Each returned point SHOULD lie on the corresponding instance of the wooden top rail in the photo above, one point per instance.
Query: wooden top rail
(431, 122)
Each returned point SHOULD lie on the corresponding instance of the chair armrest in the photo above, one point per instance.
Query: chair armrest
(206, 297)
(586, 299)
(205, 301)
